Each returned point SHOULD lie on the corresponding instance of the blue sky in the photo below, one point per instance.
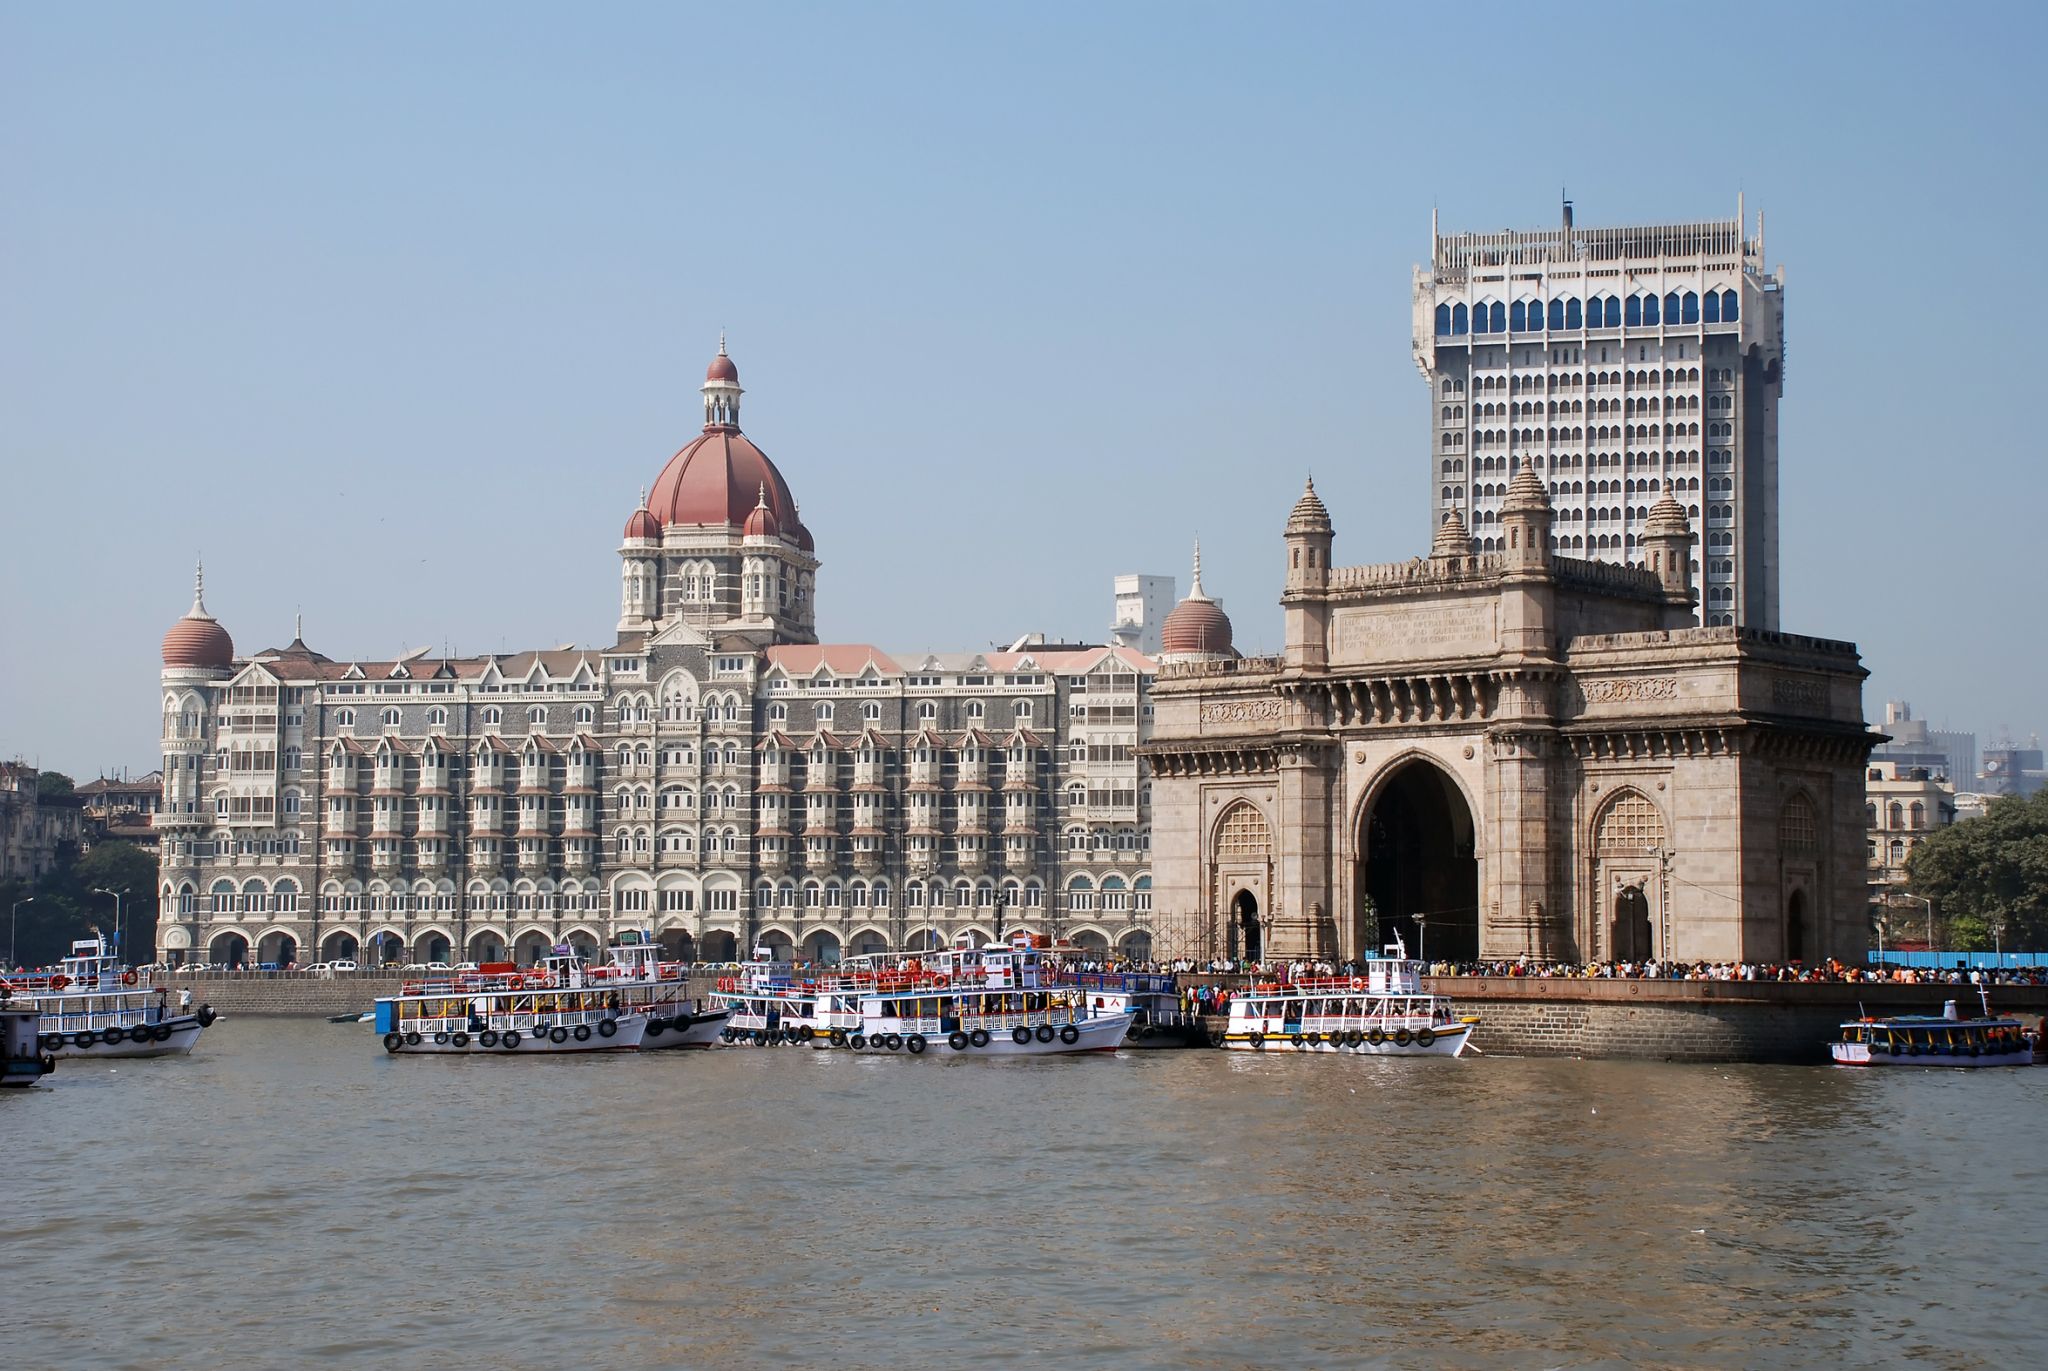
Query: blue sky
(391, 310)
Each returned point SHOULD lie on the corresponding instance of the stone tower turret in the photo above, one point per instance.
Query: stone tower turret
(1667, 550)
(1308, 537)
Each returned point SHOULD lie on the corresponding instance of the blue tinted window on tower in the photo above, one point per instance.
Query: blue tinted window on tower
(1692, 308)
(1671, 307)
(1557, 314)
(1572, 317)
(1443, 320)
(1457, 319)
(1518, 317)
(1635, 311)
(1731, 306)
(1649, 309)
(1497, 317)
(1713, 306)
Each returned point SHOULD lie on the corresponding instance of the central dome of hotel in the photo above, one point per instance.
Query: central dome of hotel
(720, 477)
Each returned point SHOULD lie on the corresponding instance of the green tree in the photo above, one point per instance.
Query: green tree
(51, 784)
(1988, 876)
(68, 906)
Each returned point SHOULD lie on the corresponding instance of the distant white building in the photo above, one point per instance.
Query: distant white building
(1142, 604)
(1616, 363)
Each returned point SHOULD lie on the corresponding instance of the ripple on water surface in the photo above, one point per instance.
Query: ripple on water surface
(291, 1196)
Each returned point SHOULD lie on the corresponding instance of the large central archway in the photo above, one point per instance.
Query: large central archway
(1417, 874)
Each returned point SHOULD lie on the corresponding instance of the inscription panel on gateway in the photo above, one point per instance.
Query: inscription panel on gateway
(1411, 632)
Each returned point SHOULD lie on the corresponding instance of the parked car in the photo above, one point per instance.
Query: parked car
(343, 965)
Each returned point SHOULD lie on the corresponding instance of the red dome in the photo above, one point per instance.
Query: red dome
(643, 525)
(803, 539)
(1196, 627)
(761, 523)
(721, 368)
(198, 640)
(718, 479)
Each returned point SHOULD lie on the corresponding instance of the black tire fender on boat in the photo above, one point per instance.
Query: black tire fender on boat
(1425, 1036)
(806, 1033)
(47, 1043)
(1354, 1037)
(656, 1027)
(1256, 1038)
(893, 1041)
(915, 1043)
(1020, 1035)
(558, 1034)
(857, 1041)
(726, 1035)
(957, 1040)
(583, 1033)
(1070, 1035)
(459, 1038)
(393, 1041)
(1045, 1032)
(412, 1038)
(1402, 1037)
(1375, 1035)
(1296, 1040)
(1216, 1037)
(837, 1038)
(979, 1037)
(510, 1040)
(487, 1038)
(441, 1038)
(206, 1016)
(116, 1034)
(607, 1028)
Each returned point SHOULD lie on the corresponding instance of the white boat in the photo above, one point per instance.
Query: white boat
(650, 986)
(1383, 1013)
(1154, 1001)
(1002, 1005)
(92, 1006)
(506, 1014)
(769, 1004)
(23, 1059)
(1945, 1039)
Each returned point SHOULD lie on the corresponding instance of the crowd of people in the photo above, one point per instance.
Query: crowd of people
(1830, 970)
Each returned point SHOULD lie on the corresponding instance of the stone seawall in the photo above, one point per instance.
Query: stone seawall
(1688, 1021)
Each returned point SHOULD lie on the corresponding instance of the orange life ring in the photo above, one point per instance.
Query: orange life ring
(59, 981)
(515, 981)
(127, 978)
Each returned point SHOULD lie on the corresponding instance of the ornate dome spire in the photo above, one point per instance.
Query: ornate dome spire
(1667, 516)
(1197, 627)
(198, 640)
(722, 391)
(642, 526)
(1451, 538)
(1308, 514)
(1526, 491)
(761, 523)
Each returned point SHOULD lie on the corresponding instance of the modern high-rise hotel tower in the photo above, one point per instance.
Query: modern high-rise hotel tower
(1617, 363)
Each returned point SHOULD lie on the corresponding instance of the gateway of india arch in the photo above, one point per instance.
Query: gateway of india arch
(1506, 753)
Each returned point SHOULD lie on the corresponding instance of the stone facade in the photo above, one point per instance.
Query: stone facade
(716, 775)
(1513, 753)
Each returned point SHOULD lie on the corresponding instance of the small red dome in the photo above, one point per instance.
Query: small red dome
(1196, 627)
(722, 368)
(762, 522)
(643, 526)
(198, 640)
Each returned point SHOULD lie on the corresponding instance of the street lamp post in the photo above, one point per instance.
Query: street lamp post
(119, 951)
(13, 922)
(1922, 899)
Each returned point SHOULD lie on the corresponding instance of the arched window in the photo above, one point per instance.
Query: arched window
(1894, 815)
(1242, 833)
(1443, 321)
(1458, 319)
(1635, 311)
(1613, 313)
(1518, 316)
(1918, 814)
(1713, 307)
(1798, 832)
(1557, 314)
(1691, 308)
(1671, 307)
(1496, 317)
(1572, 316)
(1731, 307)
(1650, 310)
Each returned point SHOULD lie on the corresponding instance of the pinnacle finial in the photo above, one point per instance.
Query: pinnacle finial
(721, 340)
(762, 503)
(199, 586)
(299, 627)
(1195, 590)
(643, 497)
